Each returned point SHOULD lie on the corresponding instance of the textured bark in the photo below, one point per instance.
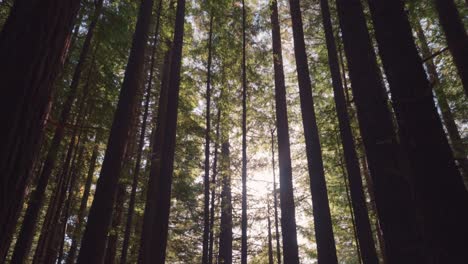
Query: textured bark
(33, 44)
(206, 178)
(456, 37)
(437, 183)
(100, 215)
(326, 249)
(225, 235)
(244, 143)
(153, 250)
(112, 239)
(213, 188)
(288, 212)
(361, 216)
(395, 205)
(71, 256)
(457, 145)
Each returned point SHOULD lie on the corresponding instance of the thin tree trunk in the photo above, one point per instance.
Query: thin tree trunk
(275, 199)
(33, 42)
(158, 203)
(326, 249)
(270, 244)
(225, 235)
(438, 186)
(446, 113)
(395, 205)
(366, 244)
(100, 215)
(244, 143)
(112, 239)
(206, 179)
(288, 212)
(213, 187)
(456, 37)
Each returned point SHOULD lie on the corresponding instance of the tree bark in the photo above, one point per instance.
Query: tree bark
(270, 244)
(361, 215)
(437, 183)
(206, 179)
(456, 37)
(326, 249)
(225, 235)
(275, 199)
(158, 203)
(393, 197)
(288, 212)
(244, 143)
(33, 43)
(213, 187)
(100, 215)
(112, 239)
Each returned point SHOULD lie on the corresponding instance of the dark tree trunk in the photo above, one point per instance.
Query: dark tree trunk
(206, 179)
(32, 47)
(141, 143)
(446, 113)
(158, 203)
(244, 143)
(361, 216)
(438, 185)
(84, 203)
(225, 235)
(393, 197)
(270, 244)
(100, 215)
(275, 199)
(288, 212)
(213, 187)
(112, 239)
(326, 249)
(456, 37)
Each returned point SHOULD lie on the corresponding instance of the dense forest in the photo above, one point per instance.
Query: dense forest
(234, 131)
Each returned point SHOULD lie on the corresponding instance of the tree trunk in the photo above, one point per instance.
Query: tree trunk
(112, 239)
(33, 44)
(454, 135)
(438, 185)
(71, 256)
(225, 235)
(456, 37)
(326, 249)
(153, 248)
(393, 196)
(100, 215)
(213, 187)
(270, 244)
(361, 215)
(206, 179)
(288, 212)
(244, 143)
(275, 199)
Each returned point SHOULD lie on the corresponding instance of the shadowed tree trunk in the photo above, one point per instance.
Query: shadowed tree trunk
(275, 199)
(456, 37)
(112, 239)
(438, 186)
(394, 201)
(33, 44)
(270, 244)
(206, 179)
(361, 215)
(153, 248)
(288, 212)
(225, 235)
(213, 188)
(100, 215)
(326, 249)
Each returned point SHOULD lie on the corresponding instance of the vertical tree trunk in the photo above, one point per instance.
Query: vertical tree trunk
(71, 256)
(395, 205)
(456, 37)
(100, 215)
(112, 239)
(452, 130)
(270, 244)
(131, 205)
(160, 197)
(326, 249)
(206, 179)
(213, 187)
(288, 212)
(275, 199)
(361, 215)
(438, 185)
(225, 235)
(244, 143)
(32, 47)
